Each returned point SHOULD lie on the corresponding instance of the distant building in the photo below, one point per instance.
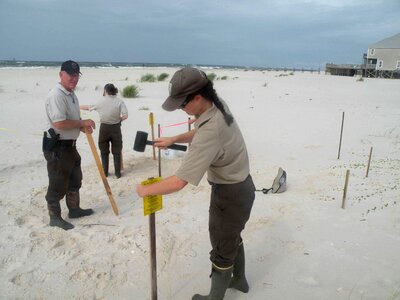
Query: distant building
(383, 58)
(342, 69)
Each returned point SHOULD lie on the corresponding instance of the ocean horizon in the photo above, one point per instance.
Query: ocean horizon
(11, 64)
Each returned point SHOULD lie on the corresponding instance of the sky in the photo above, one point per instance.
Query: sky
(275, 33)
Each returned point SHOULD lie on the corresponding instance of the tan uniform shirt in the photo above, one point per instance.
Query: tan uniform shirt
(216, 148)
(62, 105)
(110, 109)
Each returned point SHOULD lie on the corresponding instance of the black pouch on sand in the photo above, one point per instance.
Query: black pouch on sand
(48, 144)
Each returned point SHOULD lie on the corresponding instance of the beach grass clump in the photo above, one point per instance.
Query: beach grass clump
(224, 77)
(148, 78)
(162, 76)
(144, 108)
(360, 79)
(130, 91)
(211, 76)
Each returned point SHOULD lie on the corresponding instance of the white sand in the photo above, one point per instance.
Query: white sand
(299, 244)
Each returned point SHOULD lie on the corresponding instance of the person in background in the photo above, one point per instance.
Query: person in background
(218, 148)
(59, 147)
(112, 111)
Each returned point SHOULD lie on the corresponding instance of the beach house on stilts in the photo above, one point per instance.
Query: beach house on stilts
(383, 59)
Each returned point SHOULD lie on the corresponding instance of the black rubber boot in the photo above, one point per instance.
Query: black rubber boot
(55, 217)
(219, 283)
(238, 280)
(73, 199)
(117, 165)
(104, 162)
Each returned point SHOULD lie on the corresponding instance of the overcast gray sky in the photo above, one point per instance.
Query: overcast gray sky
(276, 33)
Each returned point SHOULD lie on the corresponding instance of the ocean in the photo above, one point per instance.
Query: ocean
(10, 64)
(44, 64)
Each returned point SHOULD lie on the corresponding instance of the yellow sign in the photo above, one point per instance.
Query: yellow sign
(153, 203)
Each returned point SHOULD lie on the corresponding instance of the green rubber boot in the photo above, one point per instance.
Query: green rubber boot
(73, 200)
(55, 217)
(104, 162)
(219, 283)
(239, 280)
(117, 165)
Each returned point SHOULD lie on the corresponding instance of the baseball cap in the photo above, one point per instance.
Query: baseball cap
(70, 67)
(184, 82)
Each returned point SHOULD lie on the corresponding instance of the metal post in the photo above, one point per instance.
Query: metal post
(369, 162)
(341, 133)
(153, 255)
(153, 245)
(345, 188)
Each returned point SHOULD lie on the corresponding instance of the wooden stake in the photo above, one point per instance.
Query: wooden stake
(159, 152)
(369, 162)
(101, 171)
(151, 122)
(345, 188)
(341, 133)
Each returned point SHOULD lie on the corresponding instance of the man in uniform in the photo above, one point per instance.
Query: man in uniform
(59, 147)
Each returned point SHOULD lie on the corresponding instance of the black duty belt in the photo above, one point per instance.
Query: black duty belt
(67, 143)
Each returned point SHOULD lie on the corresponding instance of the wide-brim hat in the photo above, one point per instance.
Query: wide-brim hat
(186, 81)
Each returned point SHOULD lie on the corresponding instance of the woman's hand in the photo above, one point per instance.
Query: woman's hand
(140, 190)
(163, 142)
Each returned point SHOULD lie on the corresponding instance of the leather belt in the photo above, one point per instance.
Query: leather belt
(67, 143)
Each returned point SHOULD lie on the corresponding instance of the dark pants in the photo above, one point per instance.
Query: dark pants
(230, 208)
(110, 134)
(64, 171)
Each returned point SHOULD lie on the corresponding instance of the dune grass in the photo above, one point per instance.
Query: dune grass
(162, 76)
(130, 91)
(211, 76)
(148, 78)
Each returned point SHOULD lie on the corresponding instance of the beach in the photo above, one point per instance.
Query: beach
(300, 244)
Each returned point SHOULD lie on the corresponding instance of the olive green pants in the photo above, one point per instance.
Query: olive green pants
(230, 209)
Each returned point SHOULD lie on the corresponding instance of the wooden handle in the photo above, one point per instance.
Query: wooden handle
(151, 122)
(101, 171)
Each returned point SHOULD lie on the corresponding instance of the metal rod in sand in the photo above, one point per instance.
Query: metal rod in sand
(369, 161)
(341, 134)
(345, 188)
